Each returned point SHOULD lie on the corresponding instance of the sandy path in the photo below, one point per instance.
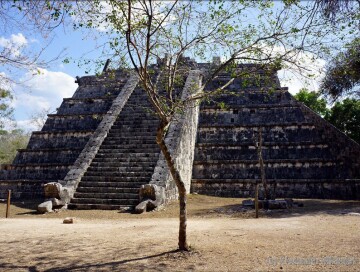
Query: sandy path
(305, 243)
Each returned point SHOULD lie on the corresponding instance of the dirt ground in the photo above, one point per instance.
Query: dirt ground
(321, 236)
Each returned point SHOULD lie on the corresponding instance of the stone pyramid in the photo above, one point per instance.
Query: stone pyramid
(100, 145)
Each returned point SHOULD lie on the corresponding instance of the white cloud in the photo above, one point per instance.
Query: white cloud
(301, 69)
(42, 92)
(18, 39)
(14, 44)
(309, 79)
(26, 125)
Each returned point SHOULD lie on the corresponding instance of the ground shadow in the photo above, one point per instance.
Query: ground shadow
(310, 207)
(23, 207)
(123, 265)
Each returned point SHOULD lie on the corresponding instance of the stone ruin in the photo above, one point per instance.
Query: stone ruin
(99, 151)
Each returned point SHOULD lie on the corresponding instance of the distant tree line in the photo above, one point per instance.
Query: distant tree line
(10, 142)
(345, 114)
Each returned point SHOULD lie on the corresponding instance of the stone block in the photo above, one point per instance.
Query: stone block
(52, 190)
(45, 207)
(57, 203)
(68, 220)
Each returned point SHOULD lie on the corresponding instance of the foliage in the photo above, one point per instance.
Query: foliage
(35, 18)
(333, 8)
(313, 101)
(6, 110)
(10, 142)
(343, 76)
(345, 116)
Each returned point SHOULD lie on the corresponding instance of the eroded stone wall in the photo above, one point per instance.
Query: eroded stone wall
(180, 140)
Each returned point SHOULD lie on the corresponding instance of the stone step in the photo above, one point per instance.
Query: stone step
(34, 166)
(135, 123)
(107, 183)
(117, 153)
(118, 173)
(126, 202)
(115, 190)
(294, 162)
(145, 139)
(69, 132)
(141, 114)
(114, 149)
(152, 146)
(230, 109)
(75, 115)
(46, 157)
(124, 158)
(104, 178)
(272, 170)
(240, 145)
(79, 206)
(90, 122)
(89, 100)
(131, 129)
(102, 195)
(123, 164)
(297, 188)
(272, 181)
(254, 125)
(125, 137)
(36, 174)
(248, 135)
(277, 152)
(125, 169)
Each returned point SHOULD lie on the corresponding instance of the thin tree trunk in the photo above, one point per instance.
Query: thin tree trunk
(179, 183)
(256, 200)
(261, 161)
(183, 222)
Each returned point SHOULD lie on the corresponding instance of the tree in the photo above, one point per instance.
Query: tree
(342, 76)
(10, 143)
(333, 8)
(313, 101)
(135, 34)
(33, 18)
(345, 116)
(139, 32)
(6, 110)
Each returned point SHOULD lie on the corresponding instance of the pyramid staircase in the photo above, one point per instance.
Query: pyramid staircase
(124, 162)
(304, 156)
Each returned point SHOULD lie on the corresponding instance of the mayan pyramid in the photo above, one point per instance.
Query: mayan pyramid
(101, 144)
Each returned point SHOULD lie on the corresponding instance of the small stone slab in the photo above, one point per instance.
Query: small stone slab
(68, 220)
(277, 204)
(353, 213)
(45, 207)
(141, 207)
(248, 203)
(57, 203)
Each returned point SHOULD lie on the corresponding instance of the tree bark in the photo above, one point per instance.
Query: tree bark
(256, 200)
(261, 161)
(179, 183)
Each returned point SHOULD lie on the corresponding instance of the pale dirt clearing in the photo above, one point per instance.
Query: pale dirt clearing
(307, 239)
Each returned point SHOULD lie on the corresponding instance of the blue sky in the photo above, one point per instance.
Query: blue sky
(45, 91)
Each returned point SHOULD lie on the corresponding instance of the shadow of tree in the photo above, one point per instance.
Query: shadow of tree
(116, 264)
(121, 265)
